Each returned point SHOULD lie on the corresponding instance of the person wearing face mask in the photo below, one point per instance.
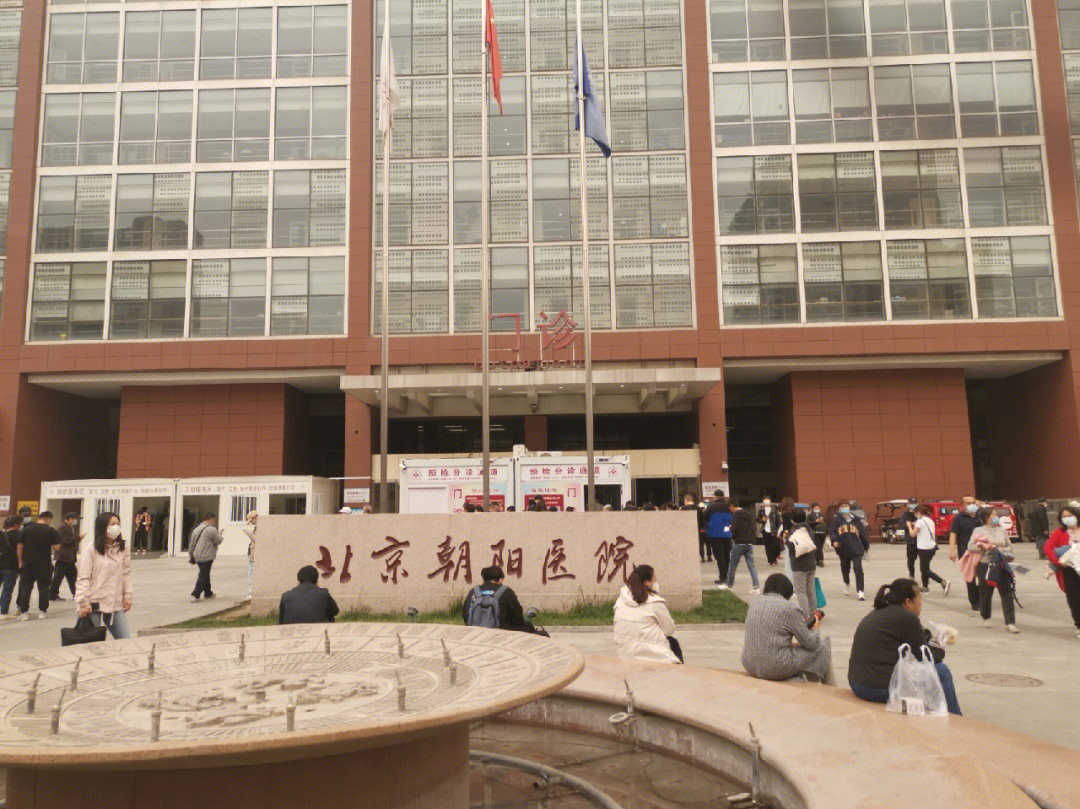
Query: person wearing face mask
(103, 589)
(643, 627)
(907, 525)
(1067, 577)
(959, 535)
(850, 541)
(819, 529)
(989, 541)
(769, 523)
(926, 547)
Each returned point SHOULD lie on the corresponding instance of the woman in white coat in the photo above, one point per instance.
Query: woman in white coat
(643, 625)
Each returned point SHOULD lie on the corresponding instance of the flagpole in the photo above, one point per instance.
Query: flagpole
(485, 294)
(590, 458)
(384, 399)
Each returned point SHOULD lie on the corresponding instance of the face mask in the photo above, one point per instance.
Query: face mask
(971, 508)
(817, 510)
(656, 587)
(1069, 521)
(995, 520)
(766, 502)
(113, 531)
(845, 510)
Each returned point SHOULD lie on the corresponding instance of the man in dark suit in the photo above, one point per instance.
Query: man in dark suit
(307, 603)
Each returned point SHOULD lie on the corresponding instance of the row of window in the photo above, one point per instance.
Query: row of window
(229, 126)
(919, 188)
(1069, 15)
(757, 30)
(159, 46)
(240, 297)
(910, 102)
(927, 280)
(10, 33)
(155, 211)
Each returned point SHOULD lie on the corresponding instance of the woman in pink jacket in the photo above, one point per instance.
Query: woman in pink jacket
(103, 589)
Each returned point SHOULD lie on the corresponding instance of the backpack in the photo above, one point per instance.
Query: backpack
(484, 609)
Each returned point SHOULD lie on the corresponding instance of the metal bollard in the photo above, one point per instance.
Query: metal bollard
(75, 675)
(151, 659)
(400, 647)
(445, 653)
(290, 713)
(54, 721)
(31, 695)
(155, 720)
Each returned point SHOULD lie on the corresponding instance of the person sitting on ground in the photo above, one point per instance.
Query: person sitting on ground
(893, 622)
(643, 626)
(494, 605)
(307, 602)
(780, 641)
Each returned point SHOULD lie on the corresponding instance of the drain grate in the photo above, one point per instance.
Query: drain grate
(1006, 680)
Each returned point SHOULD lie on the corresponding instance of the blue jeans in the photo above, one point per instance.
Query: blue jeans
(7, 588)
(738, 551)
(115, 621)
(882, 694)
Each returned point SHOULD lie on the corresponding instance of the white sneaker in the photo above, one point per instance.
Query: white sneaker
(23, 616)
(723, 587)
(194, 600)
(845, 590)
(1078, 633)
(7, 616)
(987, 622)
(756, 591)
(1011, 629)
(946, 586)
(862, 596)
(42, 616)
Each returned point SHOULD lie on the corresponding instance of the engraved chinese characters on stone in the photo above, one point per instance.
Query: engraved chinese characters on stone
(509, 559)
(555, 563)
(391, 554)
(612, 559)
(454, 560)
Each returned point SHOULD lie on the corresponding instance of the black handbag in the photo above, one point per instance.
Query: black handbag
(84, 631)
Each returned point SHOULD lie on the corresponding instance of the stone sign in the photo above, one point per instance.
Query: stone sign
(388, 562)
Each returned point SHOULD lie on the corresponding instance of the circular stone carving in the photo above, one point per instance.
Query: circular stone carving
(1007, 680)
(209, 697)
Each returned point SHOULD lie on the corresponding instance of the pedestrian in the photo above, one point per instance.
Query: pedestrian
(643, 627)
(494, 605)
(1039, 525)
(875, 648)
(780, 642)
(204, 545)
(926, 546)
(743, 533)
(9, 564)
(66, 555)
(307, 603)
(143, 521)
(1067, 577)
(769, 522)
(34, 548)
(1018, 514)
(959, 535)
(800, 551)
(103, 590)
(850, 541)
(906, 527)
(690, 504)
(990, 542)
(251, 521)
(787, 505)
(717, 518)
(819, 529)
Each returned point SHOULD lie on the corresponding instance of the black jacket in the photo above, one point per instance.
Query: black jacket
(742, 527)
(850, 535)
(307, 604)
(878, 638)
(1038, 521)
(8, 558)
(804, 563)
(817, 524)
(511, 616)
(908, 519)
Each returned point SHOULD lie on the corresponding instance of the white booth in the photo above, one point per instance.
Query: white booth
(445, 486)
(125, 498)
(561, 480)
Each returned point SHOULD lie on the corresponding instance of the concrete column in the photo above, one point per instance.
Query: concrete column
(712, 434)
(359, 442)
(536, 433)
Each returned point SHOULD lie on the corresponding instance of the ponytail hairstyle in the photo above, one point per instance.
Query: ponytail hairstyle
(100, 525)
(636, 582)
(983, 515)
(898, 592)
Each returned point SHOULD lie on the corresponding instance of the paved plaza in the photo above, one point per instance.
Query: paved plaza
(1045, 649)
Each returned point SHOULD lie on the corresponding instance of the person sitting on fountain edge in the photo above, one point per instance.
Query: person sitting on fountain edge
(494, 605)
(307, 602)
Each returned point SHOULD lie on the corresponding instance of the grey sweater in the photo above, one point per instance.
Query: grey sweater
(771, 623)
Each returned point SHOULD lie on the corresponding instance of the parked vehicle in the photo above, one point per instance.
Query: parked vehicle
(1008, 517)
(942, 513)
(887, 515)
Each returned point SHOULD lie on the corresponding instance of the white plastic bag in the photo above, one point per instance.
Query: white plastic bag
(915, 687)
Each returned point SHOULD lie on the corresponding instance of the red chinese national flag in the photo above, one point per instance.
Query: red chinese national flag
(491, 39)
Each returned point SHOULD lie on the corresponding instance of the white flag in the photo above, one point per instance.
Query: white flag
(389, 99)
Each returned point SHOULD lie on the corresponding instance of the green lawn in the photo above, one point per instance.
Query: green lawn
(716, 608)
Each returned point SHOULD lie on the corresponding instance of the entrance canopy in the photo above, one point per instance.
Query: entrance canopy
(414, 392)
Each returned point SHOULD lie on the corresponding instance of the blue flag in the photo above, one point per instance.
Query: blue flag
(595, 126)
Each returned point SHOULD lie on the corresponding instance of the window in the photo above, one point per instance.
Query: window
(228, 297)
(466, 202)
(79, 129)
(557, 283)
(646, 111)
(231, 209)
(747, 30)
(1069, 23)
(996, 98)
(10, 32)
(751, 108)
(309, 208)
(309, 123)
(553, 34)
(420, 124)
(235, 43)
(311, 41)
(1072, 87)
(989, 25)
(1005, 186)
(234, 125)
(82, 48)
(509, 286)
(832, 105)
(759, 284)
(827, 30)
(644, 33)
(921, 189)
(509, 201)
(903, 27)
(928, 280)
(152, 212)
(754, 194)
(556, 191)
(837, 191)
(554, 110)
(506, 132)
(7, 123)
(419, 292)
(155, 127)
(1014, 276)
(5, 193)
(652, 285)
(418, 36)
(159, 46)
(914, 102)
(241, 506)
(419, 212)
(843, 281)
(147, 299)
(649, 194)
(307, 296)
(68, 301)
(73, 213)
(466, 286)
